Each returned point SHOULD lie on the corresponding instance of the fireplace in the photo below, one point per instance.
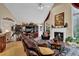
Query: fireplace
(59, 31)
(59, 35)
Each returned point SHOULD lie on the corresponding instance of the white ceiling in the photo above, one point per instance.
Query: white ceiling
(28, 11)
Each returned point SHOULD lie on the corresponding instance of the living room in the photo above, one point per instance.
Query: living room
(55, 20)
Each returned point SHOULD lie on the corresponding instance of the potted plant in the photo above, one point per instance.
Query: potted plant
(77, 40)
(69, 40)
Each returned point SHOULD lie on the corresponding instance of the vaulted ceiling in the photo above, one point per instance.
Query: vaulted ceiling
(29, 12)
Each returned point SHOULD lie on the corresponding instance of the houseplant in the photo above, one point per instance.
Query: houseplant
(69, 40)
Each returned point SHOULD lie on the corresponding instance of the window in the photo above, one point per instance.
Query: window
(75, 19)
(76, 26)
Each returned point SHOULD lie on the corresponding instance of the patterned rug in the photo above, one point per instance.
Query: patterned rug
(64, 52)
(70, 51)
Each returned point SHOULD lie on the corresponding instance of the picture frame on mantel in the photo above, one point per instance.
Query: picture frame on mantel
(59, 20)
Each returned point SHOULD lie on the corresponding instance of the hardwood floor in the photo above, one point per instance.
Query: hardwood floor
(14, 49)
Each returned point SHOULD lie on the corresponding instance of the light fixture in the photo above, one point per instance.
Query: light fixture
(66, 25)
(52, 26)
(6, 30)
(40, 6)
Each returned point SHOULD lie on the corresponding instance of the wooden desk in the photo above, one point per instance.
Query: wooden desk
(55, 45)
(3, 39)
(2, 42)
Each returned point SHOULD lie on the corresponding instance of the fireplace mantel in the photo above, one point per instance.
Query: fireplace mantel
(63, 30)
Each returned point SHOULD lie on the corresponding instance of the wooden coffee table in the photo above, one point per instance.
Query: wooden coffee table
(55, 45)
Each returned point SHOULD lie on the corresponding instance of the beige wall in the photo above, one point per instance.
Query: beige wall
(66, 8)
(4, 12)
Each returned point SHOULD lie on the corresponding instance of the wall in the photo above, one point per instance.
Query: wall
(66, 8)
(4, 12)
(47, 24)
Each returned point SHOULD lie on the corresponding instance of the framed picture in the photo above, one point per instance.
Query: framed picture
(59, 19)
